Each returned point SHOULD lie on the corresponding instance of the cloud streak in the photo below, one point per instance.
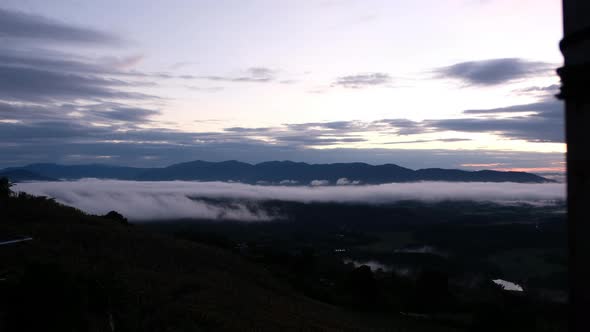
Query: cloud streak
(362, 80)
(252, 75)
(536, 122)
(168, 200)
(494, 71)
(14, 24)
(38, 85)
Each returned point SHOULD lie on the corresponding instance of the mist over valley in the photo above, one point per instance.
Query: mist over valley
(145, 200)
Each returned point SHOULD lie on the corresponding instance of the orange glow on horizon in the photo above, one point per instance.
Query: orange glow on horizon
(532, 169)
(482, 165)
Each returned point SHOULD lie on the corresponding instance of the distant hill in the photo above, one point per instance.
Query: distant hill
(21, 175)
(74, 172)
(277, 172)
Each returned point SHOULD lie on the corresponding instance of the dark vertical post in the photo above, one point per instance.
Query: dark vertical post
(575, 90)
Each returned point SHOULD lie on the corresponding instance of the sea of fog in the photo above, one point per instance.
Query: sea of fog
(141, 201)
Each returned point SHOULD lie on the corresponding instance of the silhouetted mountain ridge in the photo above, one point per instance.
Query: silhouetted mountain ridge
(21, 175)
(275, 172)
(73, 172)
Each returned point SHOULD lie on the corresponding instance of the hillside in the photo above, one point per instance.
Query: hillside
(277, 172)
(90, 273)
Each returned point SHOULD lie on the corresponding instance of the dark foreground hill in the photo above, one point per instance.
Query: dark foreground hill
(90, 273)
(277, 172)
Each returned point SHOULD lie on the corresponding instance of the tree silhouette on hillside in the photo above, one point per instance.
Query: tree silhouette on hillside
(5, 191)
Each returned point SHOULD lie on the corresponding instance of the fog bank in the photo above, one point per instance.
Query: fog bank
(172, 199)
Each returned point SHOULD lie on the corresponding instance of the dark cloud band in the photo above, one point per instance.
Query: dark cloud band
(23, 26)
(494, 71)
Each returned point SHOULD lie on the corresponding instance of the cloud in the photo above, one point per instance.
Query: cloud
(39, 85)
(550, 107)
(317, 183)
(536, 122)
(68, 115)
(135, 115)
(51, 95)
(169, 200)
(248, 129)
(252, 75)
(494, 71)
(445, 140)
(64, 142)
(141, 202)
(47, 76)
(89, 112)
(181, 64)
(342, 182)
(24, 26)
(56, 132)
(288, 182)
(54, 61)
(206, 89)
(329, 125)
(401, 126)
(306, 134)
(261, 72)
(122, 62)
(346, 182)
(533, 130)
(548, 89)
(51, 61)
(317, 141)
(362, 80)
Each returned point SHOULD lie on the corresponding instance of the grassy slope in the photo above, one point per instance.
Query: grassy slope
(95, 273)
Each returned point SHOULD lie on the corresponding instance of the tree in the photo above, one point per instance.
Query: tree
(362, 286)
(116, 216)
(5, 191)
(432, 290)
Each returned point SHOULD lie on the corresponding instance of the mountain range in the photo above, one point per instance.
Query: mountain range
(272, 172)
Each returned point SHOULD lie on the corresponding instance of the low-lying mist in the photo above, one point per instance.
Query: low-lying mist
(140, 201)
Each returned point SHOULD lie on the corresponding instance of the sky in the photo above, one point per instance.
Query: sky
(455, 84)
